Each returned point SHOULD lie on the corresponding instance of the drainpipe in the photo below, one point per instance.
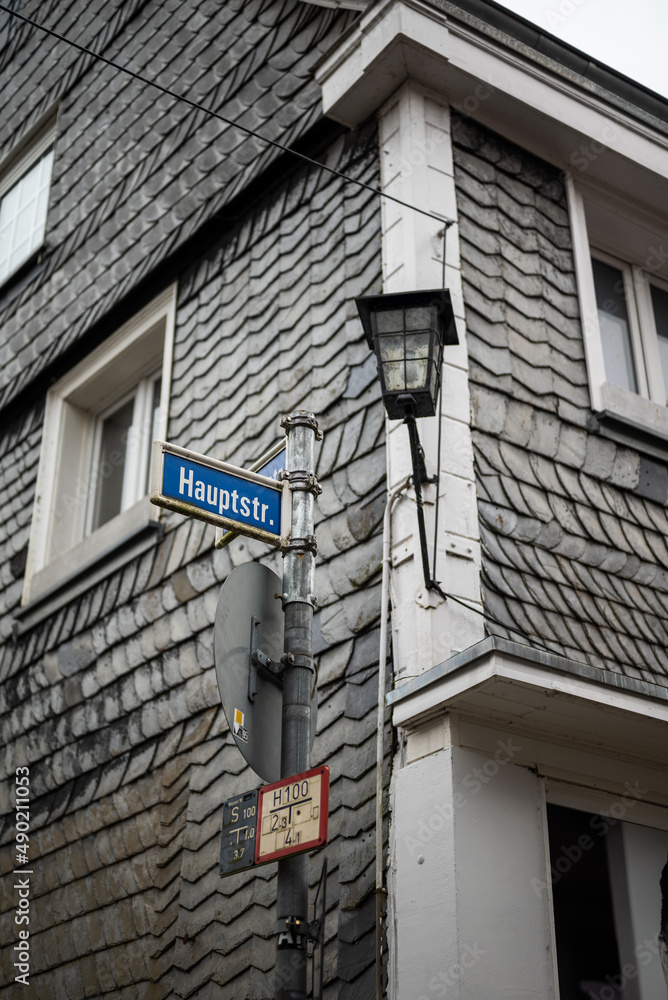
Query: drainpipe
(380, 731)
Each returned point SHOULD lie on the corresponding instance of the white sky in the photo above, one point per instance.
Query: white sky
(631, 37)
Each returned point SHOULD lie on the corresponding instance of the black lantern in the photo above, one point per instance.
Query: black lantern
(407, 332)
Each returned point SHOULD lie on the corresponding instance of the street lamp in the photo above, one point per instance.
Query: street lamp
(407, 332)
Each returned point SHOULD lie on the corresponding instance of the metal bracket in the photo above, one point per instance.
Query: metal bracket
(299, 660)
(300, 480)
(257, 659)
(296, 927)
(304, 418)
(292, 599)
(307, 544)
(302, 928)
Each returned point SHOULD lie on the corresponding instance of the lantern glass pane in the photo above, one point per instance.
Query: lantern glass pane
(416, 375)
(419, 318)
(390, 320)
(391, 348)
(417, 345)
(433, 382)
(395, 376)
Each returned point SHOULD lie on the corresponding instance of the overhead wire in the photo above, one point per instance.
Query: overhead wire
(228, 121)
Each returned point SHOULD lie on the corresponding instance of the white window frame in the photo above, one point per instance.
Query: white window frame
(645, 410)
(61, 542)
(16, 166)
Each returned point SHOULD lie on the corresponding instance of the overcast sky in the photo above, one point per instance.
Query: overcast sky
(631, 37)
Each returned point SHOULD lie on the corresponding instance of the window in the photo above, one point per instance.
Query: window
(622, 274)
(121, 451)
(99, 425)
(633, 321)
(610, 898)
(24, 197)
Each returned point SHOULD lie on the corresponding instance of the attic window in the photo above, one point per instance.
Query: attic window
(622, 276)
(24, 199)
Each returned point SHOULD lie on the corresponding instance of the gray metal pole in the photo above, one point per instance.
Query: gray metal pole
(298, 681)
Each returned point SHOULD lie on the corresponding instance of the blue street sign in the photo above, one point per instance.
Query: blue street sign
(271, 464)
(275, 465)
(216, 492)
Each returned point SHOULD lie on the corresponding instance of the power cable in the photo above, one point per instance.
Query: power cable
(215, 114)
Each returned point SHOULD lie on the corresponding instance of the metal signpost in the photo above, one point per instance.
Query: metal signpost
(298, 682)
(288, 818)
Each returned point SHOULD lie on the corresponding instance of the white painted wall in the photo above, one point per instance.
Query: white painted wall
(466, 922)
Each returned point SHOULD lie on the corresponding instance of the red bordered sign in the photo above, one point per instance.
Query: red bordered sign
(292, 815)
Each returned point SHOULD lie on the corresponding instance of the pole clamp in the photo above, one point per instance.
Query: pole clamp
(298, 660)
(302, 545)
(303, 418)
(300, 480)
(301, 660)
(287, 598)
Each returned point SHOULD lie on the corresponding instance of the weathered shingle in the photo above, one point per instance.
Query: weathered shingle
(573, 560)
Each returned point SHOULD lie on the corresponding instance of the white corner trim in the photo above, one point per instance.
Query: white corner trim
(584, 277)
(416, 166)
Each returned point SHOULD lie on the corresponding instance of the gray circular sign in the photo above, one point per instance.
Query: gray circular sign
(250, 616)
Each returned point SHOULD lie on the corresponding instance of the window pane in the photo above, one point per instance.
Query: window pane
(110, 471)
(660, 304)
(23, 215)
(614, 324)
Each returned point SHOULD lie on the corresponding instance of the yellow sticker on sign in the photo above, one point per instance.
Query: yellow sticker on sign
(238, 728)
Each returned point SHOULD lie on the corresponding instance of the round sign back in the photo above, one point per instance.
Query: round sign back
(250, 617)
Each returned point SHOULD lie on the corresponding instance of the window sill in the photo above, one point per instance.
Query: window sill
(631, 409)
(640, 425)
(96, 557)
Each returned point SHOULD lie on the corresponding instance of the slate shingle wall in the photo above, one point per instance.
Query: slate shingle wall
(137, 173)
(112, 701)
(574, 556)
